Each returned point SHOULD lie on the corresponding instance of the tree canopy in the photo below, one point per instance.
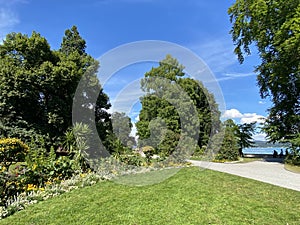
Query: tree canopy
(38, 84)
(169, 95)
(274, 27)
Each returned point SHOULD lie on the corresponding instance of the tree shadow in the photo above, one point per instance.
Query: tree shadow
(271, 159)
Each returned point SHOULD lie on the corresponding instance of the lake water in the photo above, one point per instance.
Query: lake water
(263, 150)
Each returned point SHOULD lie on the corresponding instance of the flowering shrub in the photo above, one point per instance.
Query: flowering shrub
(9, 186)
(12, 150)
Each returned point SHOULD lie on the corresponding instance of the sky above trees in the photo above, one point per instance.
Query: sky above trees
(201, 26)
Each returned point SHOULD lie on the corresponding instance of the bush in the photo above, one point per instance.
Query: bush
(224, 146)
(43, 167)
(12, 150)
(293, 157)
(133, 159)
(10, 185)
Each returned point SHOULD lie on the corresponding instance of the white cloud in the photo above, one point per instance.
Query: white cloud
(8, 17)
(260, 137)
(244, 117)
(261, 102)
(231, 76)
(232, 114)
(218, 54)
(237, 75)
(252, 117)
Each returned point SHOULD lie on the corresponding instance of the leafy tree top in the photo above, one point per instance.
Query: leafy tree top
(274, 27)
(72, 42)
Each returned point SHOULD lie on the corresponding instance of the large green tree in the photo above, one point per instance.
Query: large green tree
(37, 84)
(274, 27)
(166, 107)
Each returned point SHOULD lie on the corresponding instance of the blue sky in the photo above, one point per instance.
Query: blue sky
(199, 25)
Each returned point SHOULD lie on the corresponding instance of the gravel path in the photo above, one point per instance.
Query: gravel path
(268, 172)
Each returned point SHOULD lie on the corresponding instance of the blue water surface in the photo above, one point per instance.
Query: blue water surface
(268, 150)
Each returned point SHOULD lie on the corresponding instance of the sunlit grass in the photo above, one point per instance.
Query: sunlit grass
(295, 169)
(247, 160)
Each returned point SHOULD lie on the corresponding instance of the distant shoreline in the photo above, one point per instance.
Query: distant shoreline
(265, 144)
(264, 150)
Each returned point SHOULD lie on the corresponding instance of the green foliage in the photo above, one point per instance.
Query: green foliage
(224, 145)
(294, 152)
(244, 134)
(43, 166)
(72, 42)
(274, 27)
(149, 151)
(9, 186)
(122, 128)
(228, 144)
(132, 159)
(75, 143)
(23, 131)
(12, 150)
(170, 97)
(37, 91)
(38, 84)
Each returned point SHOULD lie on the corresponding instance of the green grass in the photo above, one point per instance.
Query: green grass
(242, 160)
(247, 160)
(192, 196)
(295, 169)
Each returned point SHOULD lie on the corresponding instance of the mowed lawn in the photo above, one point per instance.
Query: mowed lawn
(192, 196)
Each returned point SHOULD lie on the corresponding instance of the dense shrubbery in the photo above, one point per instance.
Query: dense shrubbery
(12, 150)
(294, 152)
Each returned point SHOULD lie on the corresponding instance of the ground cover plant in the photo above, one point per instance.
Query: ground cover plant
(192, 196)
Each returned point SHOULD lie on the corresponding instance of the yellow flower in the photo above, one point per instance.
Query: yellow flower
(31, 187)
(34, 166)
(48, 182)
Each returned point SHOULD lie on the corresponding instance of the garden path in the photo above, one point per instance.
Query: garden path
(265, 171)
